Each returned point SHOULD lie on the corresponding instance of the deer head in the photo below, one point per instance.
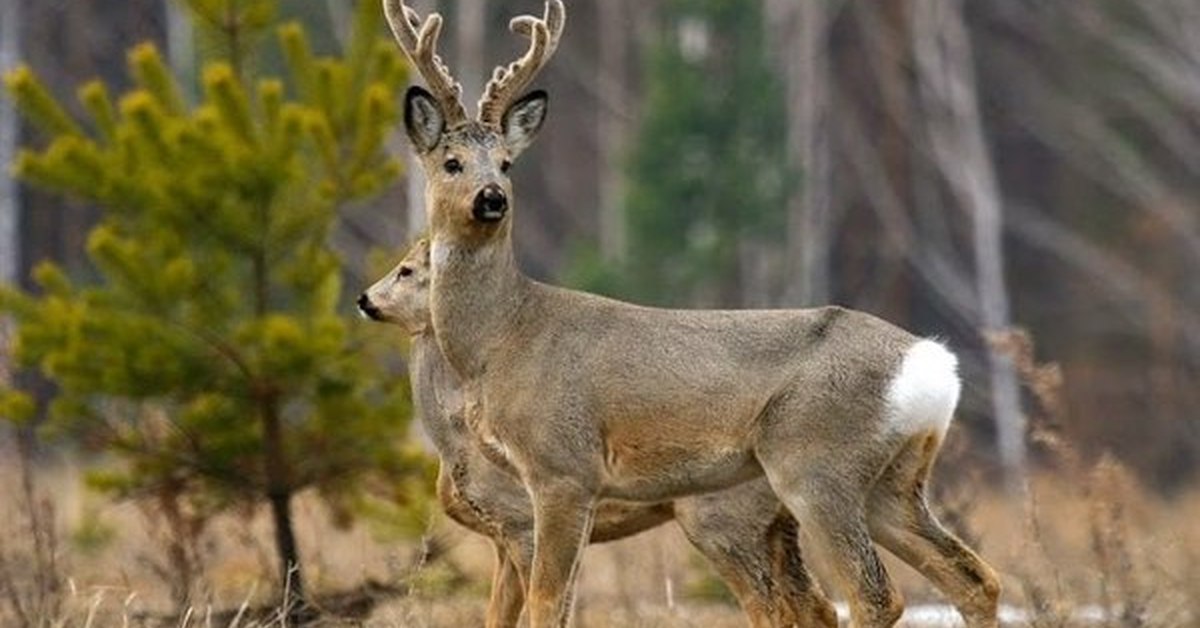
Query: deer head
(466, 161)
(402, 296)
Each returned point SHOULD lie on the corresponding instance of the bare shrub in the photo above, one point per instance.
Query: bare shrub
(176, 554)
(1106, 490)
(32, 581)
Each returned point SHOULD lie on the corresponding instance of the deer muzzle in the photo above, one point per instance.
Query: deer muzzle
(366, 308)
(490, 204)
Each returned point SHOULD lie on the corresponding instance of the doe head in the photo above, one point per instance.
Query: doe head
(401, 297)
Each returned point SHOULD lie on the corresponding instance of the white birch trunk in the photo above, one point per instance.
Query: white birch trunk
(944, 61)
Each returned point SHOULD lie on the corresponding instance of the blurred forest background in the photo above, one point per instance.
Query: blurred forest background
(964, 169)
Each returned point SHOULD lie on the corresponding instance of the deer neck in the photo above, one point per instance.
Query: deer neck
(438, 396)
(476, 293)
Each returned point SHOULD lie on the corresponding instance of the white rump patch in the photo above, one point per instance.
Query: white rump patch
(925, 390)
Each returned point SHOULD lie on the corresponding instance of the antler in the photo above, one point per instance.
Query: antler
(419, 41)
(508, 82)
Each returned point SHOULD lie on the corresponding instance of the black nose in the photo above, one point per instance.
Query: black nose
(367, 308)
(490, 203)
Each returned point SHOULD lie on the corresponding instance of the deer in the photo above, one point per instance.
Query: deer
(588, 398)
(743, 531)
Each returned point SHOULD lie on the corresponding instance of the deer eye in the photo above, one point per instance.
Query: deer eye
(505, 165)
(404, 271)
(453, 166)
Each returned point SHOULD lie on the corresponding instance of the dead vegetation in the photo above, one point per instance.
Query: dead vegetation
(1100, 548)
(1087, 545)
(32, 580)
(1093, 546)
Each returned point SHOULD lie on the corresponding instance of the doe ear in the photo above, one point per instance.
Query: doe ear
(423, 119)
(523, 119)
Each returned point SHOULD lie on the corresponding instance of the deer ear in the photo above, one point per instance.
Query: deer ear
(522, 120)
(423, 119)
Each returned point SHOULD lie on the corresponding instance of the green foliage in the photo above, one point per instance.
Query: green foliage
(709, 168)
(216, 311)
(16, 406)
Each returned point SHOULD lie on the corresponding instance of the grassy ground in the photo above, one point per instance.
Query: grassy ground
(1088, 536)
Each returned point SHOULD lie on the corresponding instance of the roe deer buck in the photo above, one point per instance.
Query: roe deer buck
(743, 531)
(589, 398)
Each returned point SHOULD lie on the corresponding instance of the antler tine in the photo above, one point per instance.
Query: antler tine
(508, 82)
(554, 18)
(420, 45)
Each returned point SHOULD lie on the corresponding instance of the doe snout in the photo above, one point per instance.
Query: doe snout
(491, 203)
(366, 308)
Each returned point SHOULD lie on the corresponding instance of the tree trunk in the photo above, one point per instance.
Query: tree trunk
(612, 127)
(810, 208)
(875, 82)
(944, 61)
(279, 496)
(10, 200)
(10, 205)
(275, 464)
(181, 49)
(469, 28)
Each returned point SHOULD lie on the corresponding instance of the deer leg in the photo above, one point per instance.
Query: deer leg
(804, 604)
(900, 521)
(508, 591)
(747, 577)
(753, 547)
(563, 516)
(830, 508)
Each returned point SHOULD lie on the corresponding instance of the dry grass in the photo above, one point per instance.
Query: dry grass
(1087, 535)
(1107, 542)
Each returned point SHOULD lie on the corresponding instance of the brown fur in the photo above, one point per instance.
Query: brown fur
(743, 531)
(590, 398)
